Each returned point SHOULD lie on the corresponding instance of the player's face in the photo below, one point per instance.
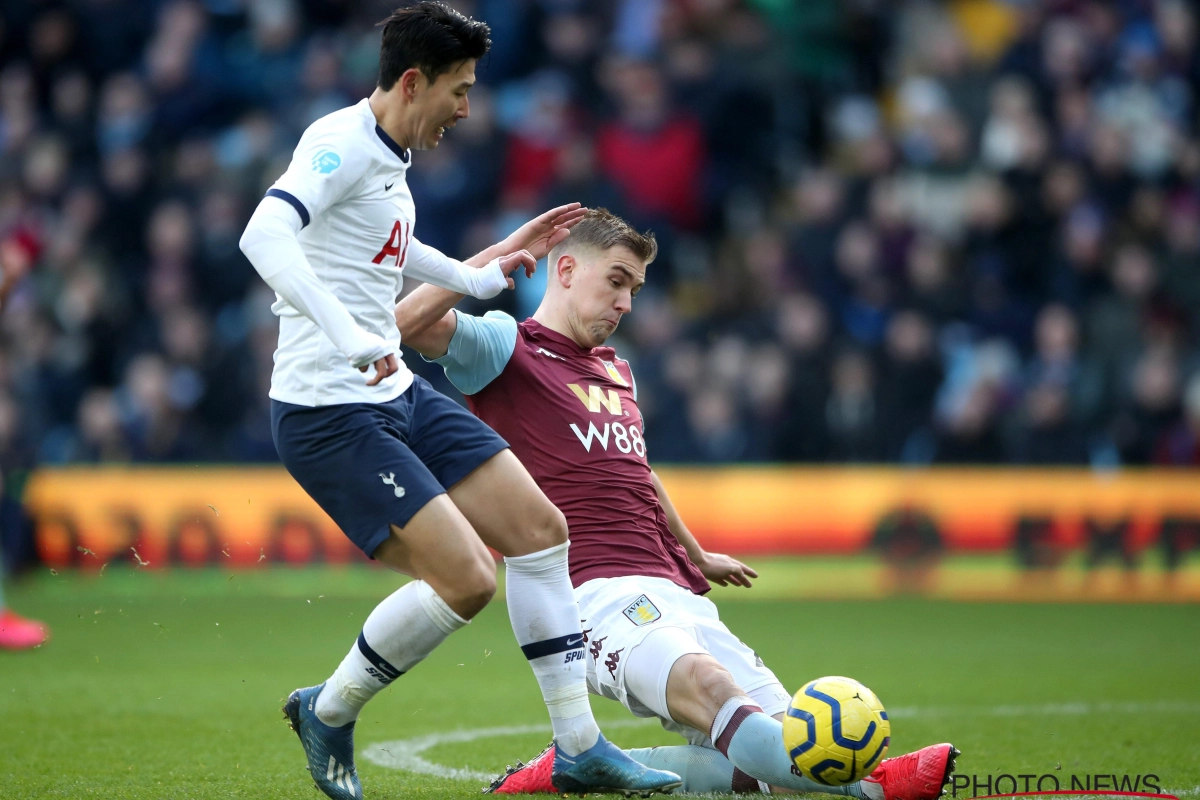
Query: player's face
(441, 104)
(603, 292)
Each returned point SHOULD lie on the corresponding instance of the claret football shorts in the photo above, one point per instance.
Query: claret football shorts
(620, 615)
(373, 465)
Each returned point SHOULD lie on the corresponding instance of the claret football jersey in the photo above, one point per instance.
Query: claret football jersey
(571, 417)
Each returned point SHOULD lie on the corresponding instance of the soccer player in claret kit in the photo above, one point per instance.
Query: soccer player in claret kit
(412, 478)
(568, 407)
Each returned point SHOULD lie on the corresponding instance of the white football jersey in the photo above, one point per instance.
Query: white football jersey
(347, 183)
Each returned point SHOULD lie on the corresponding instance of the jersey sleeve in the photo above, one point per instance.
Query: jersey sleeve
(479, 350)
(429, 264)
(325, 167)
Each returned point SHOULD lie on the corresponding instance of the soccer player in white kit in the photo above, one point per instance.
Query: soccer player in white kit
(413, 479)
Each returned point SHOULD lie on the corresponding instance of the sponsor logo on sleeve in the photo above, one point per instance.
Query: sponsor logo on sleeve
(326, 162)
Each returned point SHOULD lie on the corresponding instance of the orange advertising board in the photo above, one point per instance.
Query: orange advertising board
(249, 516)
(782, 510)
(165, 515)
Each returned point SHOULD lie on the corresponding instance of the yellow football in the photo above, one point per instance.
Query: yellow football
(836, 731)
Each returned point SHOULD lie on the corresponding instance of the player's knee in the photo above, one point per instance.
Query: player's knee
(473, 589)
(710, 680)
(554, 528)
(482, 587)
(546, 528)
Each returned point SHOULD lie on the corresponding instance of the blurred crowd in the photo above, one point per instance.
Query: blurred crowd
(918, 232)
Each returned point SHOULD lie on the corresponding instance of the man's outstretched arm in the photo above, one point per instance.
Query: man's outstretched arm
(716, 567)
(424, 317)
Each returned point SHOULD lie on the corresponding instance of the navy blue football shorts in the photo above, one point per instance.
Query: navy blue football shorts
(373, 465)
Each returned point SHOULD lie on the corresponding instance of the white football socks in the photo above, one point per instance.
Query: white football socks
(545, 619)
(398, 635)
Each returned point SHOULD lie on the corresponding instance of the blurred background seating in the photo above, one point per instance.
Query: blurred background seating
(907, 232)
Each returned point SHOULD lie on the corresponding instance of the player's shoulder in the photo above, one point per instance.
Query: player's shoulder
(338, 142)
(350, 122)
(529, 353)
(609, 356)
(501, 317)
(530, 339)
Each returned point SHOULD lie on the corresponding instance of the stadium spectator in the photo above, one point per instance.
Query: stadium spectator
(909, 380)
(892, 233)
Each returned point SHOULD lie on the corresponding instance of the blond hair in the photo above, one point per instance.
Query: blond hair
(602, 230)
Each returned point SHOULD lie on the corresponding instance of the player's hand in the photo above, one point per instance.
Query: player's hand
(541, 234)
(723, 570)
(514, 261)
(383, 367)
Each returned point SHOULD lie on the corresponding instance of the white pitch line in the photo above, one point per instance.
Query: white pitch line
(406, 754)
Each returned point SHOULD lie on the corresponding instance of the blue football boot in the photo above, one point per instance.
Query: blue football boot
(603, 769)
(330, 751)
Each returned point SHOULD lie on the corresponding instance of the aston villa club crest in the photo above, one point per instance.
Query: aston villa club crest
(611, 368)
(642, 611)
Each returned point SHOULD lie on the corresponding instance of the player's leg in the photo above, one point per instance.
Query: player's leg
(699, 693)
(455, 579)
(732, 695)
(512, 515)
(353, 462)
(502, 503)
(703, 695)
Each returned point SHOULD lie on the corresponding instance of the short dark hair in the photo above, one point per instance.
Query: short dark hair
(431, 37)
(602, 230)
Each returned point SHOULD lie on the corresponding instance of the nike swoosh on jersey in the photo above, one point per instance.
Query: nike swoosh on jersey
(387, 187)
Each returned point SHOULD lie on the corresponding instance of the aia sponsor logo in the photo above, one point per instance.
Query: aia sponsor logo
(397, 244)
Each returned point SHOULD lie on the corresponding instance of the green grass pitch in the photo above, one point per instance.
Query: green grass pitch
(168, 685)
